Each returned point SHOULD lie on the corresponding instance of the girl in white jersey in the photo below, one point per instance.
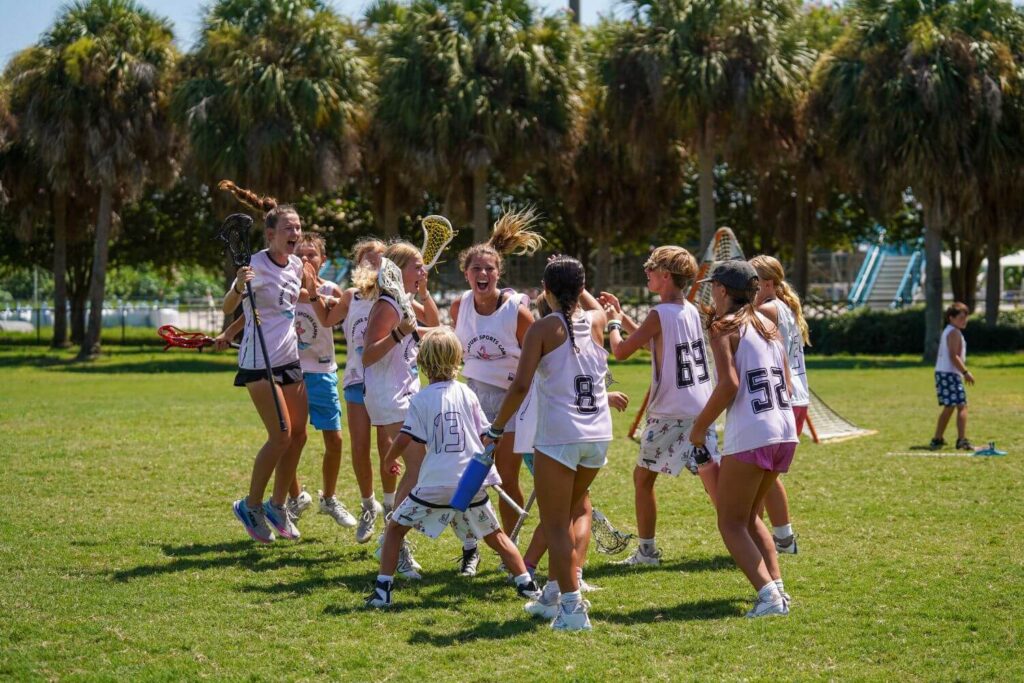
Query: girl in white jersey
(491, 323)
(760, 434)
(777, 301)
(680, 386)
(314, 328)
(565, 352)
(443, 425)
(276, 276)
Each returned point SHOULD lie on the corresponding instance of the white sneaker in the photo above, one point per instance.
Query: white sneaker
(407, 566)
(367, 521)
(588, 587)
(574, 618)
(281, 519)
(774, 606)
(639, 556)
(785, 546)
(381, 595)
(546, 606)
(299, 504)
(333, 508)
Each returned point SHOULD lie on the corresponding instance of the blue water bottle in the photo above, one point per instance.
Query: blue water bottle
(473, 478)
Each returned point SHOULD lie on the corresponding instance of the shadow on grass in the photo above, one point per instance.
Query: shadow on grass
(487, 630)
(703, 564)
(685, 611)
(240, 554)
(171, 365)
(855, 363)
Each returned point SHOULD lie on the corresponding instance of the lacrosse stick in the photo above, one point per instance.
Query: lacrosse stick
(389, 279)
(610, 540)
(437, 234)
(514, 536)
(234, 233)
(639, 416)
(172, 336)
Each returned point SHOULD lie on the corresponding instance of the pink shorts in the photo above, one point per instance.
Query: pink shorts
(800, 415)
(774, 458)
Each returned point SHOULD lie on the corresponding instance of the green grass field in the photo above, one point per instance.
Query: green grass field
(120, 559)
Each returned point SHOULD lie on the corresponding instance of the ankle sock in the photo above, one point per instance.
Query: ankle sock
(648, 546)
(389, 499)
(469, 544)
(523, 579)
(769, 592)
(386, 578)
(783, 532)
(368, 502)
(782, 588)
(571, 598)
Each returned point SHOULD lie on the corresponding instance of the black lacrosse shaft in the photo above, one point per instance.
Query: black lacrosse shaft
(266, 358)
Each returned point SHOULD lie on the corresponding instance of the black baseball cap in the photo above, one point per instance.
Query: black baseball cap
(735, 274)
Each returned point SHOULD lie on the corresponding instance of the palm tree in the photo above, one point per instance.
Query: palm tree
(713, 66)
(94, 94)
(916, 94)
(467, 86)
(272, 96)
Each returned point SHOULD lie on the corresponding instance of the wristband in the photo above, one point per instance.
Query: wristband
(614, 325)
(397, 337)
(416, 336)
(494, 433)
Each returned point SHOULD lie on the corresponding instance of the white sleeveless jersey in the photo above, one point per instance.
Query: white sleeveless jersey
(276, 289)
(761, 413)
(447, 419)
(394, 379)
(684, 384)
(526, 422)
(490, 348)
(354, 327)
(793, 340)
(943, 362)
(572, 403)
(316, 342)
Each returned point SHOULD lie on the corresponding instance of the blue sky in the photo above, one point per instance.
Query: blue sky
(22, 21)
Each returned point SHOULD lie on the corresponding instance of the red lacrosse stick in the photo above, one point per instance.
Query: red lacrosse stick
(186, 340)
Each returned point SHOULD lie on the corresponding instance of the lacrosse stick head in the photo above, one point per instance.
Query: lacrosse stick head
(724, 247)
(234, 233)
(610, 540)
(173, 336)
(389, 279)
(437, 234)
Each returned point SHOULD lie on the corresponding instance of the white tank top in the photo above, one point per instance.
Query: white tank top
(526, 422)
(572, 403)
(942, 361)
(447, 419)
(761, 413)
(684, 384)
(276, 289)
(316, 342)
(490, 348)
(354, 327)
(395, 375)
(793, 340)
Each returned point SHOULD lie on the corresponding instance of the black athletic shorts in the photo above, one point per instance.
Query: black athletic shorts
(283, 375)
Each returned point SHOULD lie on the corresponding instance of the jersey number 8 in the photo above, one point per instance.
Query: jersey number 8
(586, 402)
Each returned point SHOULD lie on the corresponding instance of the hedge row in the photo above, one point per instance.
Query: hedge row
(902, 331)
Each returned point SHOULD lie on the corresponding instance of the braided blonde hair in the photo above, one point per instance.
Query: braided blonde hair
(769, 268)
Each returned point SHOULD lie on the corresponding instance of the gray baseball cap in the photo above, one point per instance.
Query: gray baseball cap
(735, 274)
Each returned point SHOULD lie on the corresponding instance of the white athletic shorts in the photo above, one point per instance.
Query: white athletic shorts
(491, 398)
(431, 518)
(593, 454)
(665, 446)
(385, 410)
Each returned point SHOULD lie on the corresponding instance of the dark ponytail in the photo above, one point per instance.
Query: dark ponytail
(565, 278)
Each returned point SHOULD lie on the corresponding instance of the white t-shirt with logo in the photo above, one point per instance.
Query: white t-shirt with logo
(276, 289)
(316, 342)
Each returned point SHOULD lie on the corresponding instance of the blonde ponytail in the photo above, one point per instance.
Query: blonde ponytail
(769, 268)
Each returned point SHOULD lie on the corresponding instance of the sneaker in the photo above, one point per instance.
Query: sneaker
(299, 504)
(785, 546)
(529, 590)
(281, 519)
(964, 445)
(336, 511)
(640, 556)
(936, 444)
(469, 562)
(778, 606)
(367, 521)
(588, 587)
(546, 606)
(381, 595)
(407, 566)
(254, 521)
(573, 618)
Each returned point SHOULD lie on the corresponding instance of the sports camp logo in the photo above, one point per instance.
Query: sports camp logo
(306, 330)
(485, 347)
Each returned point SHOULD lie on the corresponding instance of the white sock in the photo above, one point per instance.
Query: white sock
(783, 532)
(769, 592)
(469, 544)
(579, 574)
(368, 502)
(574, 597)
(551, 588)
(648, 545)
(778, 583)
(386, 578)
(523, 579)
(389, 499)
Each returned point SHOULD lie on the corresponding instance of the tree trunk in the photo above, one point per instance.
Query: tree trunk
(78, 301)
(706, 181)
(934, 224)
(390, 214)
(60, 271)
(79, 266)
(98, 281)
(800, 246)
(963, 274)
(480, 204)
(993, 282)
(574, 7)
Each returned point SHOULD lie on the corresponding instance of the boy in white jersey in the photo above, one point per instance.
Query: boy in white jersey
(680, 387)
(760, 433)
(491, 323)
(314, 331)
(444, 423)
(950, 373)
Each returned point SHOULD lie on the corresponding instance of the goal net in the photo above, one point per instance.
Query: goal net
(824, 424)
